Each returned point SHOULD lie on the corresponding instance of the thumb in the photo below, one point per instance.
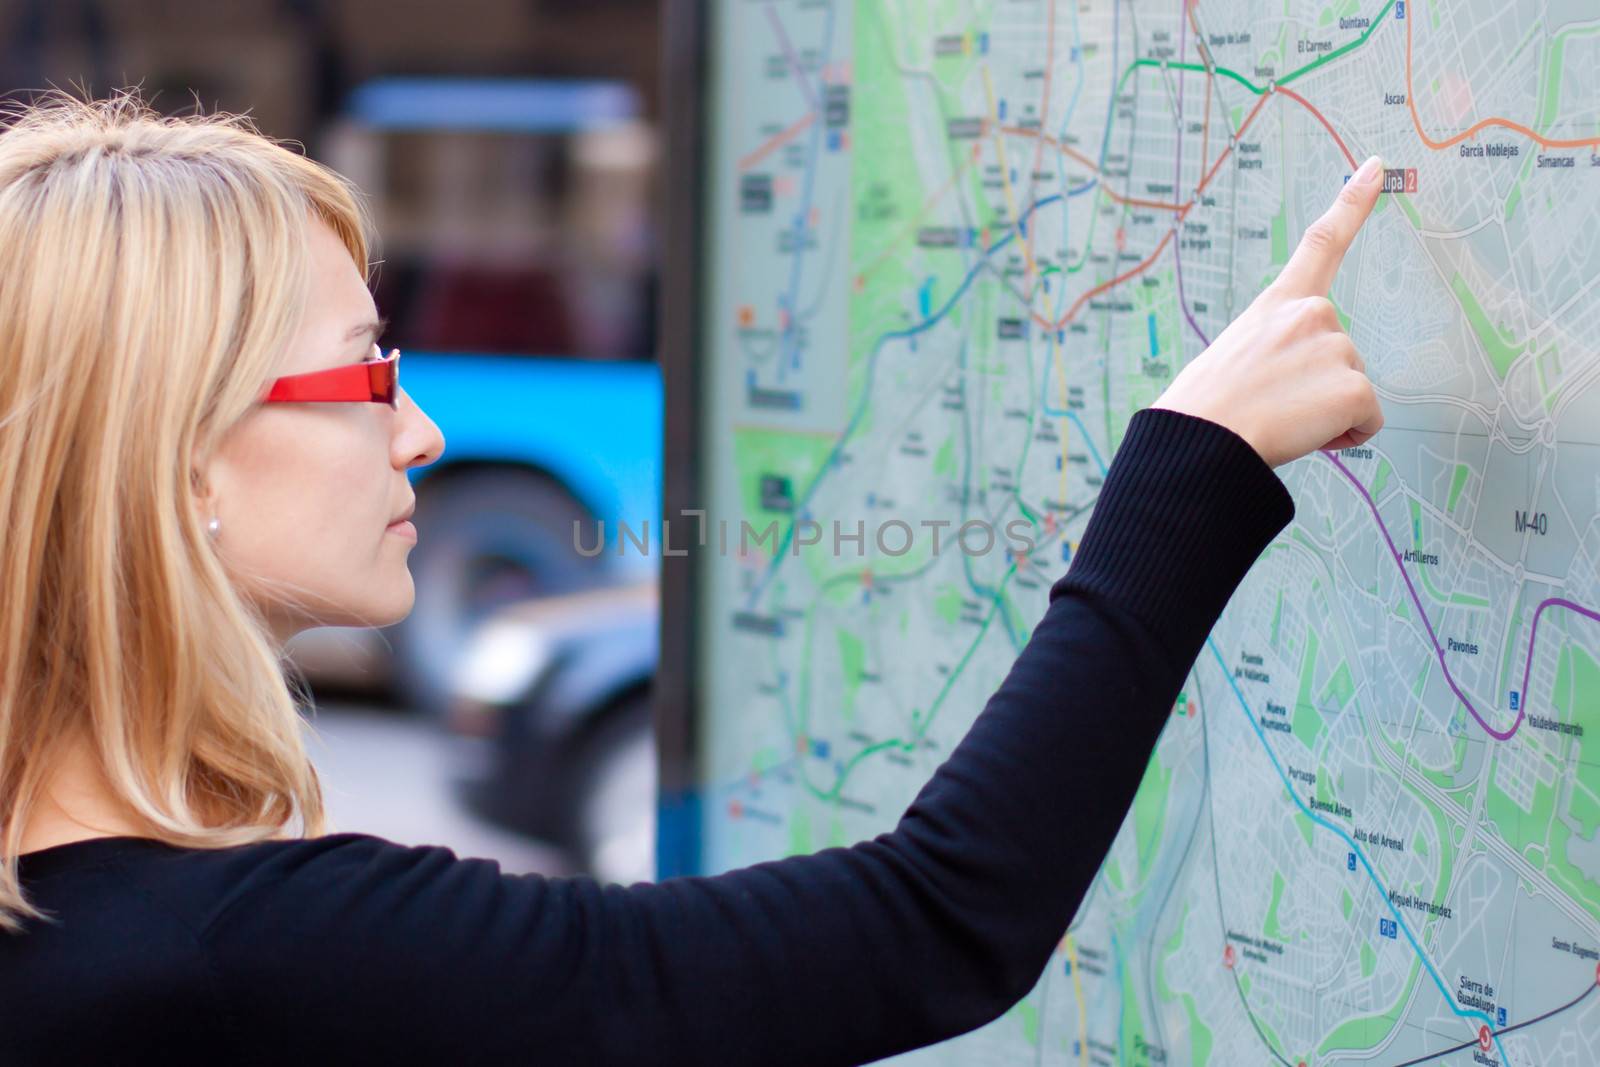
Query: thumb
(1322, 247)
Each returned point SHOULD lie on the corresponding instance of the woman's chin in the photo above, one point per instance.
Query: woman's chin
(371, 613)
(388, 613)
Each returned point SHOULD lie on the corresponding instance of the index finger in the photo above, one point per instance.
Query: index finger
(1316, 259)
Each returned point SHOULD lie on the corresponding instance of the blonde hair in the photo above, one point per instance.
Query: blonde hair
(152, 273)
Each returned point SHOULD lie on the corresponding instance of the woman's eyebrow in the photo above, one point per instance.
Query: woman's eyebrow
(374, 329)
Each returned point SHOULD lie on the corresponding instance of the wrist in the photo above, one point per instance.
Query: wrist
(1228, 417)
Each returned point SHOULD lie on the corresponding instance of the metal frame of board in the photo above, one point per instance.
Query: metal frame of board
(677, 690)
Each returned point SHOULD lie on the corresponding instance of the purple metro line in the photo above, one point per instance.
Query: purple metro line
(1527, 670)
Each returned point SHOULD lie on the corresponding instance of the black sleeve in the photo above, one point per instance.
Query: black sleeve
(351, 947)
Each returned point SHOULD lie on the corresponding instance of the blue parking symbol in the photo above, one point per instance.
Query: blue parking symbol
(1500, 1017)
(1399, 9)
(1388, 928)
(1349, 861)
(1516, 700)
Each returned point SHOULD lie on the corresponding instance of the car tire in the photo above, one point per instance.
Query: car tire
(486, 538)
(613, 802)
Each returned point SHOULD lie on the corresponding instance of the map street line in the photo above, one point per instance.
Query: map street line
(1482, 124)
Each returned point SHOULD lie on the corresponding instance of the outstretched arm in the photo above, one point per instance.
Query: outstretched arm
(840, 957)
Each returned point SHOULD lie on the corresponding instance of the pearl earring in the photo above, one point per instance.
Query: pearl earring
(213, 528)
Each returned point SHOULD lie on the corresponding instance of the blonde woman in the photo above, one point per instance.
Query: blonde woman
(202, 452)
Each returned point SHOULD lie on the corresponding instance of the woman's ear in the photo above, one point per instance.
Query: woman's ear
(203, 496)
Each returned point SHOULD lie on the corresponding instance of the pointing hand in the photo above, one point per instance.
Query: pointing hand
(1284, 375)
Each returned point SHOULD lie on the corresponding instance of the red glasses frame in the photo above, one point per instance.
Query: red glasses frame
(374, 380)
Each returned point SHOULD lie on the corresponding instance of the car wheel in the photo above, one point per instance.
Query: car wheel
(614, 802)
(486, 538)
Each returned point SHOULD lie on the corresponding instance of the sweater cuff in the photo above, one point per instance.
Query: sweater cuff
(1186, 509)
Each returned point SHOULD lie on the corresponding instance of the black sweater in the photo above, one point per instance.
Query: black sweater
(349, 949)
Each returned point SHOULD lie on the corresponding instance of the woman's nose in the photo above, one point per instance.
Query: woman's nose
(417, 440)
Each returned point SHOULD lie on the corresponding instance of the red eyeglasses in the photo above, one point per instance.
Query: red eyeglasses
(375, 380)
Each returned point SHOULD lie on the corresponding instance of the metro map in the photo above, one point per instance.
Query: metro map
(958, 246)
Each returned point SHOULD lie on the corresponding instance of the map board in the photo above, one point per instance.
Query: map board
(949, 248)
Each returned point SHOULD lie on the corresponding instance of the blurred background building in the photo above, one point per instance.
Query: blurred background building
(508, 149)
(507, 145)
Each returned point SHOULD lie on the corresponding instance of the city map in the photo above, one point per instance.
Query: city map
(954, 246)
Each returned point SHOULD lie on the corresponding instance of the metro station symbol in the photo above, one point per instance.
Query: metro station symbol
(1400, 179)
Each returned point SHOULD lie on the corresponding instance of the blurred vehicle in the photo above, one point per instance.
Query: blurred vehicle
(560, 687)
(542, 457)
(515, 273)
